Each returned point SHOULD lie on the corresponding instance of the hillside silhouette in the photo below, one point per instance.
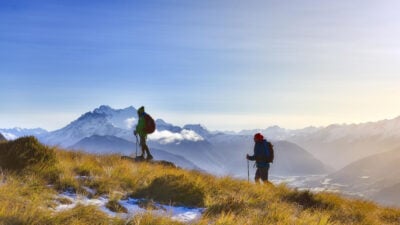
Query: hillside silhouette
(2, 138)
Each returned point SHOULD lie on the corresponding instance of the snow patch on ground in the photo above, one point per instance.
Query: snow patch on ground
(182, 214)
(79, 200)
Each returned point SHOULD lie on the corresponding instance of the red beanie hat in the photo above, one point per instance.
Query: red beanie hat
(258, 137)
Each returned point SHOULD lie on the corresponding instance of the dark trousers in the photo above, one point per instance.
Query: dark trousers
(262, 173)
(143, 144)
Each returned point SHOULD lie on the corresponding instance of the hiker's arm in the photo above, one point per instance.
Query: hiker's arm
(251, 157)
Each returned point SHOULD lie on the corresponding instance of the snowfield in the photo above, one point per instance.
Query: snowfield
(179, 213)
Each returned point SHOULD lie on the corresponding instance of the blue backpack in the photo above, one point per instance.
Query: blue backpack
(264, 152)
(269, 151)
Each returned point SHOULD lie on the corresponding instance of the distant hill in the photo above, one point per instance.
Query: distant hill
(202, 153)
(388, 196)
(2, 138)
(110, 144)
(290, 159)
(374, 176)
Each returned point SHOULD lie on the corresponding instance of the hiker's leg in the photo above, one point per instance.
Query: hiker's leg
(258, 176)
(143, 144)
(264, 174)
(145, 148)
(149, 156)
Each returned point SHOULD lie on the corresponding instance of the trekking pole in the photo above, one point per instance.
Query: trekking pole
(248, 171)
(136, 144)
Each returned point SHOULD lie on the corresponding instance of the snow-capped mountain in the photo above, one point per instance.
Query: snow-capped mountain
(14, 133)
(213, 152)
(120, 118)
(199, 129)
(162, 126)
(343, 143)
(193, 146)
(105, 121)
(115, 122)
(101, 121)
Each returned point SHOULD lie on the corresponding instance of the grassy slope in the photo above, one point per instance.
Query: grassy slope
(26, 197)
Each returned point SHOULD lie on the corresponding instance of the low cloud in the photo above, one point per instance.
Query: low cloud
(130, 122)
(166, 137)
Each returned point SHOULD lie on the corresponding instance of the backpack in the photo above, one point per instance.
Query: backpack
(269, 147)
(150, 125)
(264, 152)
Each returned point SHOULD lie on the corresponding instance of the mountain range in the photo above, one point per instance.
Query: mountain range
(357, 157)
(214, 152)
(339, 145)
(13, 133)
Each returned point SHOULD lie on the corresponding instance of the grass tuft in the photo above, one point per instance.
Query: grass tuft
(114, 206)
(27, 198)
(151, 219)
(83, 215)
(228, 205)
(307, 200)
(26, 153)
(174, 190)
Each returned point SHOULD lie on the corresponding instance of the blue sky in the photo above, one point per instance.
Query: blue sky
(229, 65)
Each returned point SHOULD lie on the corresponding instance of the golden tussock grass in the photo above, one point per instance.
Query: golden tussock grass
(27, 197)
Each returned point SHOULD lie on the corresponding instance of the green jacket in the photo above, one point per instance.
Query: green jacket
(140, 126)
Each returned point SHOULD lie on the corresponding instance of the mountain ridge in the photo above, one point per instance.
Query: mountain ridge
(110, 144)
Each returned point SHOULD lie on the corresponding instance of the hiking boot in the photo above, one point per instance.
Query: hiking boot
(149, 157)
(141, 157)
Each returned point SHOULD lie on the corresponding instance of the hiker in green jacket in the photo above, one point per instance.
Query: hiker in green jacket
(140, 130)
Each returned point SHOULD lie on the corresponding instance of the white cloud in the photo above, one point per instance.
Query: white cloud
(166, 137)
(130, 122)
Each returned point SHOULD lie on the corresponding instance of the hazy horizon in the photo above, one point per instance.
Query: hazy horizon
(194, 121)
(229, 65)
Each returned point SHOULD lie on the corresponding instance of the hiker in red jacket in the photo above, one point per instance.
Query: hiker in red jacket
(263, 155)
(141, 130)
